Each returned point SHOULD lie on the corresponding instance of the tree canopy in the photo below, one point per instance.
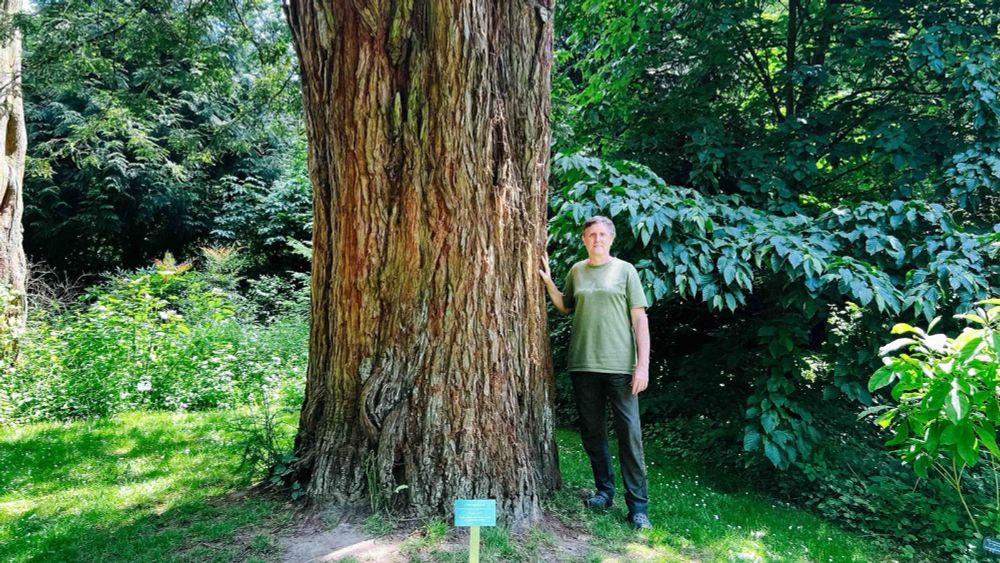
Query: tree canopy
(788, 166)
(156, 125)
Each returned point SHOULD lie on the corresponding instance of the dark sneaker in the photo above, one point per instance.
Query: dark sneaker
(640, 521)
(597, 501)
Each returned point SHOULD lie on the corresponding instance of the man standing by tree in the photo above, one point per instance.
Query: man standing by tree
(609, 331)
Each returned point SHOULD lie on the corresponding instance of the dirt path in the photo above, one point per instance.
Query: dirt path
(336, 535)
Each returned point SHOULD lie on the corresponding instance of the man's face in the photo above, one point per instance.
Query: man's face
(597, 238)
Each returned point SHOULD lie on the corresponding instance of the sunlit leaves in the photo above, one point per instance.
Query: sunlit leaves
(894, 257)
(946, 403)
(140, 113)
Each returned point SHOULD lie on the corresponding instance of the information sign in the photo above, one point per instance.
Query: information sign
(475, 513)
(991, 545)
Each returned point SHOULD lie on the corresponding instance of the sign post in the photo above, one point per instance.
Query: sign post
(472, 514)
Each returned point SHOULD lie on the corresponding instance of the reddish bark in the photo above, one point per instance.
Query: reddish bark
(429, 154)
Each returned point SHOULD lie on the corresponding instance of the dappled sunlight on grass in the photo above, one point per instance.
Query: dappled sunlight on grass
(153, 486)
(635, 551)
(138, 486)
(741, 549)
(693, 520)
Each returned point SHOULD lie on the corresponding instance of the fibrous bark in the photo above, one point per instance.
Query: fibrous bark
(428, 151)
(13, 267)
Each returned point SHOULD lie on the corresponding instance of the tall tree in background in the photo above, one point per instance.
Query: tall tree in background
(12, 263)
(160, 126)
(428, 151)
(817, 169)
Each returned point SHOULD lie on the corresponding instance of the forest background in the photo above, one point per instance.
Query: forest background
(790, 178)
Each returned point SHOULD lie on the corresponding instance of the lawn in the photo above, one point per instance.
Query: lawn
(168, 487)
(137, 487)
(693, 519)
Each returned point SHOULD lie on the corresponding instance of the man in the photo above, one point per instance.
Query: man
(609, 332)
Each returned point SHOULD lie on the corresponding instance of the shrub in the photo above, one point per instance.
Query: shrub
(275, 297)
(266, 433)
(858, 483)
(945, 410)
(160, 338)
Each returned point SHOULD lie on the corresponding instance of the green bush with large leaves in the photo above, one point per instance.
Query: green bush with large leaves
(945, 407)
(786, 270)
(790, 179)
(822, 99)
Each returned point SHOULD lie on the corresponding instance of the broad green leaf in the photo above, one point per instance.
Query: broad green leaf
(967, 344)
(956, 407)
(882, 377)
(885, 420)
(934, 398)
(933, 438)
(902, 434)
(921, 464)
(974, 318)
(988, 435)
(966, 444)
(773, 453)
(993, 409)
(769, 421)
(895, 345)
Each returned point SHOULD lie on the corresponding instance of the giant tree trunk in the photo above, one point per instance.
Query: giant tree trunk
(428, 151)
(13, 267)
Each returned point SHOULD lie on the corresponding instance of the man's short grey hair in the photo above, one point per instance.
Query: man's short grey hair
(599, 220)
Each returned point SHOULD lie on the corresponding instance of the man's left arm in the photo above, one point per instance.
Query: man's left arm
(640, 326)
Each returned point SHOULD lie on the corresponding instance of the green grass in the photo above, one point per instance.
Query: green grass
(694, 519)
(378, 525)
(160, 487)
(136, 487)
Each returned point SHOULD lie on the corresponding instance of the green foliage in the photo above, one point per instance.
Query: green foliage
(789, 179)
(909, 257)
(275, 296)
(946, 411)
(160, 338)
(267, 438)
(12, 311)
(858, 483)
(850, 479)
(157, 125)
(263, 214)
(820, 100)
(900, 256)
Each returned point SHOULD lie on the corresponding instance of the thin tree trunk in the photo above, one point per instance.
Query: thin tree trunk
(429, 364)
(13, 268)
(790, 46)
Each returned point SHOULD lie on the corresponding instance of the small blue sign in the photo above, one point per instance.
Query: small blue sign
(991, 545)
(479, 512)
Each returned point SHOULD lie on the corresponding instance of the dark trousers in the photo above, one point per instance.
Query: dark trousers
(593, 391)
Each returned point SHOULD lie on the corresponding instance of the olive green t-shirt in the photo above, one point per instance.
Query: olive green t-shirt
(602, 298)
